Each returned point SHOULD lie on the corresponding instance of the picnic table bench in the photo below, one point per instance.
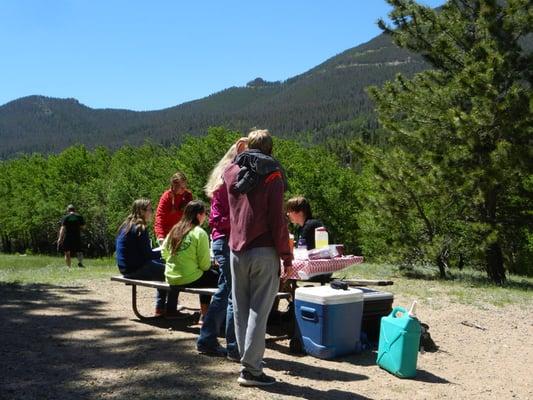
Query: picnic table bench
(165, 286)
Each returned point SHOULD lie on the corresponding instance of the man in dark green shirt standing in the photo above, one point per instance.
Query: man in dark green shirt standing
(70, 235)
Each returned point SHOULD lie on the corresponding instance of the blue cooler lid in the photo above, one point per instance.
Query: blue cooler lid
(327, 295)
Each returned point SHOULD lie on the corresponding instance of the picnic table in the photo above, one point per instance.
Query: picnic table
(307, 269)
(301, 270)
(165, 286)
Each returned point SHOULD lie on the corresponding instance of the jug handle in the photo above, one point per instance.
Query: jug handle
(396, 310)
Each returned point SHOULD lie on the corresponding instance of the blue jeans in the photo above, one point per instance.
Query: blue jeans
(152, 270)
(221, 306)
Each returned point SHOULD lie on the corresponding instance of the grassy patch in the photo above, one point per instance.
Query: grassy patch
(464, 287)
(28, 269)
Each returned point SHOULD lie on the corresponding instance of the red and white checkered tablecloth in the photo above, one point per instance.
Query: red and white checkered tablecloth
(305, 269)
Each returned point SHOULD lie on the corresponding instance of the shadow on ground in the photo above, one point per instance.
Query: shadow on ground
(63, 342)
(428, 377)
(312, 373)
(58, 344)
(188, 324)
(310, 393)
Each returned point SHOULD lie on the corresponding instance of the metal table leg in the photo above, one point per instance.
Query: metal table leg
(134, 303)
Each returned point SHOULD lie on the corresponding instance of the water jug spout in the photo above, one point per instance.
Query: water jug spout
(412, 310)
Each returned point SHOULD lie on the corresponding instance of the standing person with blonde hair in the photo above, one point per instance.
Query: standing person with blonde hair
(135, 258)
(259, 239)
(221, 304)
(187, 258)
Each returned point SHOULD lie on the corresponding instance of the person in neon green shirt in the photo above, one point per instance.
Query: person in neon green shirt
(186, 254)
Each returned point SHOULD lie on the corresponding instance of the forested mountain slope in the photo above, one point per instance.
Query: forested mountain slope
(312, 102)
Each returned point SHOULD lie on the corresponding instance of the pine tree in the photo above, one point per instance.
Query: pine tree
(468, 120)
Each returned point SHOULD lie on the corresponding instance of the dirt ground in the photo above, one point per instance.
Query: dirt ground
(83, 342)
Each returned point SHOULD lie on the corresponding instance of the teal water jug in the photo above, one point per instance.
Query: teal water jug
(399, 339)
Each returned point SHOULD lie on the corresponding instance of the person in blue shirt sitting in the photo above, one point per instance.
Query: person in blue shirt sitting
(134, 255)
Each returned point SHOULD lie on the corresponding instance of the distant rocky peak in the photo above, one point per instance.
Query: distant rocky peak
(260, 82)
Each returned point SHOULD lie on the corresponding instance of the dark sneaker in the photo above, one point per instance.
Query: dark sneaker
(247, 379)
(217, 351)
(81, 265)
(234, 356)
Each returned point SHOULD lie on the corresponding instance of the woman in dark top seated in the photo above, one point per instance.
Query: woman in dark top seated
(299, 213)
(135, 258)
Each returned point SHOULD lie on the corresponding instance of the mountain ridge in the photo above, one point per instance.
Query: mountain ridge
(329, 93)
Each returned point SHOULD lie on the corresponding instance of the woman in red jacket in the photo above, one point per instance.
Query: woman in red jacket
(170, 209)
(171, 205)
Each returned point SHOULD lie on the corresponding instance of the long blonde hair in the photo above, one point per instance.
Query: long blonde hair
(185, 224)
(136, 217)
(215, 179)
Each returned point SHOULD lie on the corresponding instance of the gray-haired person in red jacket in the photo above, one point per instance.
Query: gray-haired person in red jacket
(259, 239)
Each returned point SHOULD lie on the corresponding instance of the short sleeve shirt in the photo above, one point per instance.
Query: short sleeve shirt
(72, 224)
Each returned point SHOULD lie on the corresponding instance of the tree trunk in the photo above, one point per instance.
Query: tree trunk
(6, 243)
(495, 268)
(461, 262)
(493, 253)
(442, 263)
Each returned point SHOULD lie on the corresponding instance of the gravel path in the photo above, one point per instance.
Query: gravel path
(83, 342)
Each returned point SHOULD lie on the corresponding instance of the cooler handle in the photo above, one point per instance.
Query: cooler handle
(309, 314)
(396, 310)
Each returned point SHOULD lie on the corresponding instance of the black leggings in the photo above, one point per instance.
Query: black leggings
(209, 279)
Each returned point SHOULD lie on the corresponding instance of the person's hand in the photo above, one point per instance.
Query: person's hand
(160, 241)
(287, 271)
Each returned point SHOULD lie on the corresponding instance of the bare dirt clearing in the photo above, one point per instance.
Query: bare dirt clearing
(83, 342)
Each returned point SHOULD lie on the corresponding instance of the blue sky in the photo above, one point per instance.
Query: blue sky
(147, 55)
